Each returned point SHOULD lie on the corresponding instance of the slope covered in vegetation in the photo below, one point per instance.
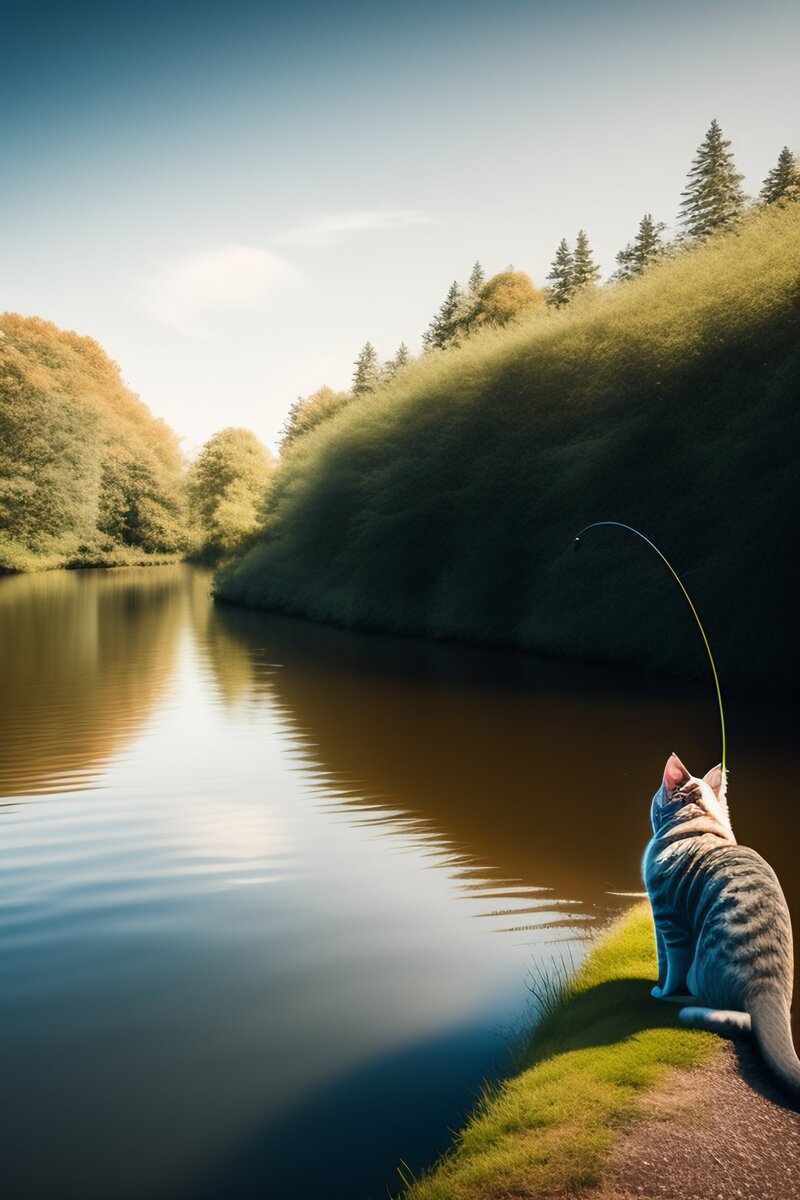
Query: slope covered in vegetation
(87, 474)
(446, 502)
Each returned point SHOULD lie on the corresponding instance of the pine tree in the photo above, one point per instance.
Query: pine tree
(476, 280)
(443, 329)
(561, 275)
(713, 199)
(585, 271)
(783, 181)
(402, 357)
(367, 374)
(645, 248)
(400, 360)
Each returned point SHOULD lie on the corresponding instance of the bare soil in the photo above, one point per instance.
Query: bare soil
(721, 1132)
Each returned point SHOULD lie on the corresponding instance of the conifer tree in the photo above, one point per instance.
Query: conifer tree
(402, 357)
(585, 271)
(476, 280)
(713, 199)
(443, 328)
(561, 275)
(400, 360)
(783, 181)
(367, 374)
(645, 248)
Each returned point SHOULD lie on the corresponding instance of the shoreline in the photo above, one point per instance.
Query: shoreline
(29, 564)
(582, 1081)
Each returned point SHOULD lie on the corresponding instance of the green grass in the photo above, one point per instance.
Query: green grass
(446, 504)
(551, 1127)
(17, 559)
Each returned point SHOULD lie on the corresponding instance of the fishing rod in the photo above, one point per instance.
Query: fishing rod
(678, 580)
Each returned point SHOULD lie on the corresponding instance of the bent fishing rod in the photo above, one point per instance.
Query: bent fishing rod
(679, 581)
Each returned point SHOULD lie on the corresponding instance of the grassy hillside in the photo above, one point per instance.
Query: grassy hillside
(446, 503)
(87, 474)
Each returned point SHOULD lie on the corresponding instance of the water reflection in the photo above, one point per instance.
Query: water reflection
(543, 769)
(85, 657)
(301, 909)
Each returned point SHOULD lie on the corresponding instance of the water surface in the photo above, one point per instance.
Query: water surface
(270, 892)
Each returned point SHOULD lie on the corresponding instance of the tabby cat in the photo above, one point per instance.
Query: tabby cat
(722, 926)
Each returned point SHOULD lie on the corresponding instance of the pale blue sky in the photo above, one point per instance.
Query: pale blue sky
(232, 199)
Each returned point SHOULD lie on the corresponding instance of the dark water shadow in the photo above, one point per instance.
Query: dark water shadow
(375, 1112)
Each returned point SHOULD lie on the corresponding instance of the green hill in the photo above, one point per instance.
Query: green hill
(87, 474)
(447, 502)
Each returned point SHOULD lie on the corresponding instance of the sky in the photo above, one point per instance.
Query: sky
(233, 198)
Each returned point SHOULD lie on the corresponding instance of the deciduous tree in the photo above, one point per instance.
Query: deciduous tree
(503, 298)
(226, 489)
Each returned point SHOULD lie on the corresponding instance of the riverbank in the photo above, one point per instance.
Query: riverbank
(584, 1079)
(446, 503)
(19, 560)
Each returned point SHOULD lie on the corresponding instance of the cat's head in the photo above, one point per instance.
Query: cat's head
(679, 788)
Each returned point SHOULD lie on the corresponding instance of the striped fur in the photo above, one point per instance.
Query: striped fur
(722, 925)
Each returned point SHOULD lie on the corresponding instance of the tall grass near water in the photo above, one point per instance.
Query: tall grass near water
(446, 503)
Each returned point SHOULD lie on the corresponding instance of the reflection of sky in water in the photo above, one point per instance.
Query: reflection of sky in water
(263, 917)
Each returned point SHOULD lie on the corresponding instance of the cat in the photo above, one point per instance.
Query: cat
(723, 932)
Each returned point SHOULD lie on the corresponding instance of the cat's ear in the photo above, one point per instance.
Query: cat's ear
(717, 781)
(675, 774)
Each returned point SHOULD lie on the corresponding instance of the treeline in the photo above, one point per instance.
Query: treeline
(88, 477)
(446, 503)
(87, 474)
(713, 202)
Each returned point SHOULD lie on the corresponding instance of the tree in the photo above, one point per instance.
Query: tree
(562, 277)
(585, 271)
(476, 280)
(713, 199)
(226, 489)
(367, 374)
(783, 181)
(400, 360)
(84, 466)
(309, 412)
(645, 248)
(402, 357)
(505, 297)
(443, 329)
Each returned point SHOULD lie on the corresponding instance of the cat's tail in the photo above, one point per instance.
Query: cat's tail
(773, 1030)
(770, 1023)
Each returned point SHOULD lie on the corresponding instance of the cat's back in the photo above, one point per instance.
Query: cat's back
(742, 926)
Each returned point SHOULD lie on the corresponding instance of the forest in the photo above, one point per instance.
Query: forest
(89, 477)
(444, 502)
(440, 494)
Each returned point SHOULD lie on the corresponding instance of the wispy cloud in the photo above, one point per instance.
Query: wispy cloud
(328, 230)
(226, 278)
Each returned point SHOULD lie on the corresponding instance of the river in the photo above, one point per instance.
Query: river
(271, 894)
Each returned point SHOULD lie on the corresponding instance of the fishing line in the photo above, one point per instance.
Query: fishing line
(665, 560)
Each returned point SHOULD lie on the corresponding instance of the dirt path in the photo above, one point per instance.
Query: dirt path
(722, 1132)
